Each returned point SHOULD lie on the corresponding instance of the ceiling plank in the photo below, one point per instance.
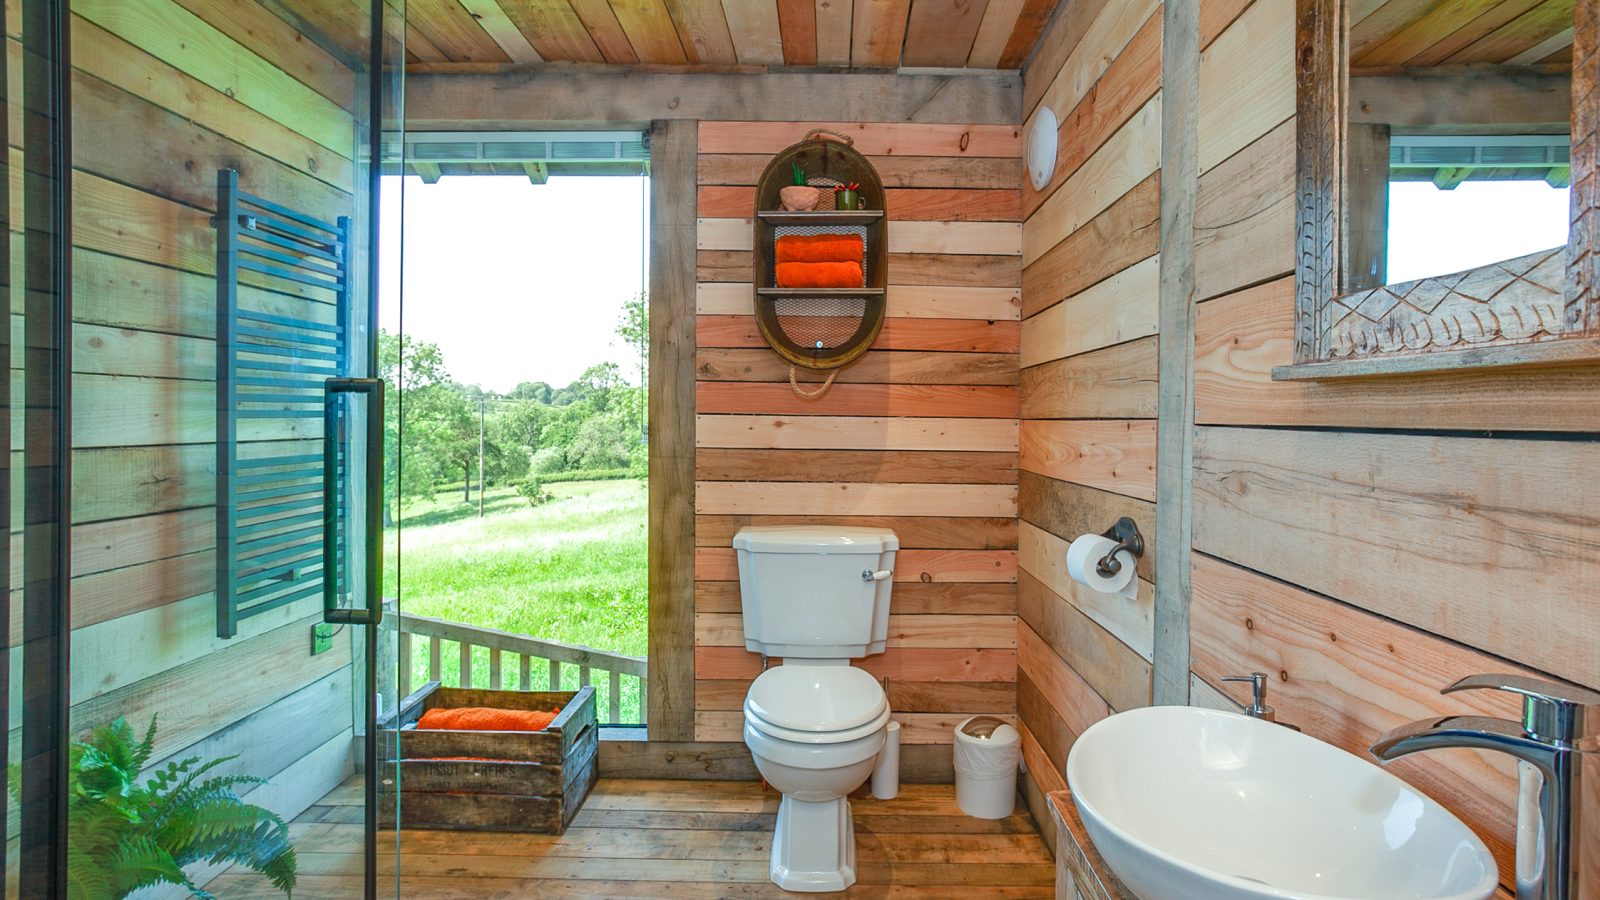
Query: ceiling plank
(554, 29)
(599, 18)
(797, 20)
(1030, 25)
(703, 32)
(501, 29)
(999, 20)
(452, 29)
(649, 27)
(1396, 48)
(754, 26)
(878, 32)
(1502, 13)
(833, 32)
(1532, 27)
(940, 33)
(1396, 15)
(1545, 49)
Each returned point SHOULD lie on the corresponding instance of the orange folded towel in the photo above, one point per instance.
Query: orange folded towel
(808, 248)
(819, 275)
(484, 718)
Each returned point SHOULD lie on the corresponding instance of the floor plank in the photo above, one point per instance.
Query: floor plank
(640, 838)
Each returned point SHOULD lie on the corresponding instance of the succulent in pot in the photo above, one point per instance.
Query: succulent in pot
(799, 197)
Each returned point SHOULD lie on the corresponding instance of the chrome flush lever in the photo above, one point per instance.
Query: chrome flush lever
(870, 576)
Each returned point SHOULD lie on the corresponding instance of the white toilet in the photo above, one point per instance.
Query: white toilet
(818, 597)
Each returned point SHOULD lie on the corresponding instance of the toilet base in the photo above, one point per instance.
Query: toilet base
(814, 845)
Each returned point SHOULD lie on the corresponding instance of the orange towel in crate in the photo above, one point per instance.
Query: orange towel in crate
(484, 718)
(819, 275)
(810, 248)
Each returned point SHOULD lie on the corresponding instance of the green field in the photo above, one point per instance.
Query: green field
(571, 570)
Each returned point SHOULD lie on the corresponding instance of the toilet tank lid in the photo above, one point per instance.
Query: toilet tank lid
(815, 539)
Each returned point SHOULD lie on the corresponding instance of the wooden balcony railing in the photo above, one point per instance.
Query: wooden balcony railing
(508, 650)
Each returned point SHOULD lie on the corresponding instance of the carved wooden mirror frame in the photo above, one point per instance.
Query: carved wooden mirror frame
(1541, 309)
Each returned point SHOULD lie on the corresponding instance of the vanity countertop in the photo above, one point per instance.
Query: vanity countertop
(1077, 861)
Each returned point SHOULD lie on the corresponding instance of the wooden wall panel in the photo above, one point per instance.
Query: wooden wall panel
(1368, 542)
(1090, 380)
(919, 435)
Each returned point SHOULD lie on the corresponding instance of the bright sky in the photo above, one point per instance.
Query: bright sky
(1434, 232)
(515, 281)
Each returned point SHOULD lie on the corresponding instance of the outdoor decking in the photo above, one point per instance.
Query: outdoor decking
(670, 839)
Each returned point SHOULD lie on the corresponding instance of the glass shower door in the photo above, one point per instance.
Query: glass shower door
(225, 454)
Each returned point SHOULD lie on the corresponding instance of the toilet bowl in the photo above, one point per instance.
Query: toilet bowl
(815, 732)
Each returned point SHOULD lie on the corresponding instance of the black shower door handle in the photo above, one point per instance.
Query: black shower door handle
(372, 612)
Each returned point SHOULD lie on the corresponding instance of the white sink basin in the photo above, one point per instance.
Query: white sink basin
(1187, 803)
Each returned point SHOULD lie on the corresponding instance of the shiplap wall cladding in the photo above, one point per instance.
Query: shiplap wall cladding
(1089, 377)
(920, 435)
(1367, 542)
(165, 94)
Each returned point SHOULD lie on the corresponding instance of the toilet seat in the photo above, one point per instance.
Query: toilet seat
(812, 698)
(793, 735)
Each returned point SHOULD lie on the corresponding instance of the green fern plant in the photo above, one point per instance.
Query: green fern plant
(124, 835)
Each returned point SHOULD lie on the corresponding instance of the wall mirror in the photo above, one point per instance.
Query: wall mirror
(1446, 185)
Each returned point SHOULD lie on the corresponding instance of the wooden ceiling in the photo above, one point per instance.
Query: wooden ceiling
(1393, 34)
(708, 35)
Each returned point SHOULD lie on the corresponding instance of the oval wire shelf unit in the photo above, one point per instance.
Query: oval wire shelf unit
(820, 328)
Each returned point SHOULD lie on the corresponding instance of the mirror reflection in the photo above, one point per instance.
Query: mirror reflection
(1458, 136)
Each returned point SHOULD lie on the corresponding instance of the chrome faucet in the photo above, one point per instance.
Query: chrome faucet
(1556, 741)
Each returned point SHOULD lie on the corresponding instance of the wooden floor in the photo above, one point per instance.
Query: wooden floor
(669, 839)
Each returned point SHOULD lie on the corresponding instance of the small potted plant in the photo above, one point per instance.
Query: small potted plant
(799, 197)
(124, 835)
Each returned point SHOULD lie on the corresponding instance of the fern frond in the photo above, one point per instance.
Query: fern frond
(139, 862)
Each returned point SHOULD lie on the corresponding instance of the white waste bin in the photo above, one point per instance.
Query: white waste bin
(986, 754)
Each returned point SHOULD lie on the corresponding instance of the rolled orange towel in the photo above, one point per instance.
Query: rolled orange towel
(819, 248)
(819, 275)
(484, 718)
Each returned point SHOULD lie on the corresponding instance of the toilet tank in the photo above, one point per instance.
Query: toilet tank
(815, 591)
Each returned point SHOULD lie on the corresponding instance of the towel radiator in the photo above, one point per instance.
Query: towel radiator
(283, 325)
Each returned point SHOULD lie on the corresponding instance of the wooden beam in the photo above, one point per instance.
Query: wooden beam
(522, 99)
(1469, 98)
(428, 172)
(1180, 64)
(672, 423)
(538, 172)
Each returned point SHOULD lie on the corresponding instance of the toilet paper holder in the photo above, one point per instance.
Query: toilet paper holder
(1126, 534)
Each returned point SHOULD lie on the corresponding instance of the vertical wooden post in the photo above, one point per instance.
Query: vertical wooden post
(405, 663)
(674, 146)
(435, 651)
(1180, 88)
(465, 679)
(616, 697)
(525, 672)
(494, 659)
(555, 675)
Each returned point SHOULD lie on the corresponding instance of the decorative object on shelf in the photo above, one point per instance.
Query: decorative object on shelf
(820, 273)
(799, 195)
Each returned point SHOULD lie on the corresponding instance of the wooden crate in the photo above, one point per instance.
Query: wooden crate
(489, 780)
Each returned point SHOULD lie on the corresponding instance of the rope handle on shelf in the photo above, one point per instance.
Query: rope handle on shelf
(794, 382)
(820, 132)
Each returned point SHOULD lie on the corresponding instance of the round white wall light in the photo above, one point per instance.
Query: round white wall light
(1042, 148)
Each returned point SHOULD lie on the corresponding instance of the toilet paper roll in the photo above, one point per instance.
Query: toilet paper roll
(1086, 552)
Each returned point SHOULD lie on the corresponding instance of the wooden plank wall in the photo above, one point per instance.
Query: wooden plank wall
(1367, 542)
(1089, 379)
(166, 92)
(919, 436)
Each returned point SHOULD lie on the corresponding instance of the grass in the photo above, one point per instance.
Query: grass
(571, 570)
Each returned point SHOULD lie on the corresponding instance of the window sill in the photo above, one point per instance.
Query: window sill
(1546, 354)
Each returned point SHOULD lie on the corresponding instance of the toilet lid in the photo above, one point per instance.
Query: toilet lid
(816, 698)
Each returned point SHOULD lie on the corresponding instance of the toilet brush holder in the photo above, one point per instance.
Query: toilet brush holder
(886, 773)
